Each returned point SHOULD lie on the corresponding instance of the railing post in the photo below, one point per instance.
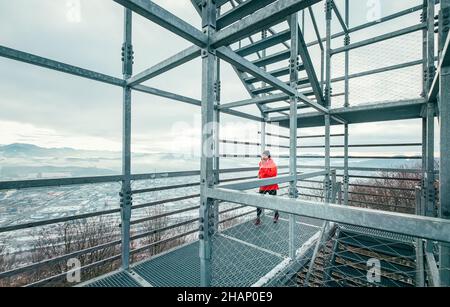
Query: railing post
(346, 175)
(339, 195)
(420, 265)
(347, 55)
(125, 194)
(218, 87)
(293, 66)
(444, 170)
(206, 166)
(430, 195)
(328, 15)
(334, 186)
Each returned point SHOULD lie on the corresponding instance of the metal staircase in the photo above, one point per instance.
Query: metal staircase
(344, 261)
(308, 84)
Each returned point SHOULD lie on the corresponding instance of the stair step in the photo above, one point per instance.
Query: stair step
(269, 88)
(352, 271)
(265, 43)
(276, 73)
(273, 58)
(383, 246)
(242, 10)
(408, 272)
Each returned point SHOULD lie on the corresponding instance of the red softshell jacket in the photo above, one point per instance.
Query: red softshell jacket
(268, 169)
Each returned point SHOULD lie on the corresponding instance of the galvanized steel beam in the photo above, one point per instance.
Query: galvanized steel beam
(165, 19)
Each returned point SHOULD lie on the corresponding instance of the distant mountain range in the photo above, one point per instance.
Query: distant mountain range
(27, 161)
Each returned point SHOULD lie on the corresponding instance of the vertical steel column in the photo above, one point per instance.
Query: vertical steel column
(424, 160)
(431, 69)
(347, 101)
(206, 164)
(263, 84)
(420, 264)
(216, 166)
(424, 49)
(293, 78)
(263, 136)
(346, 176)
(347, 55)
(327, 183)
(217, 143)
(444, 19)
(125, 194)
(430, 195)
(444, 169)
(263, 115)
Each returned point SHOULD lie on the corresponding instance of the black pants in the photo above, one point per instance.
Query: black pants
(270, 192)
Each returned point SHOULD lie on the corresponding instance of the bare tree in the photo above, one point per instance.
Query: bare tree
(159, 233)
(54, 241)
(6, 263)
(392, 191)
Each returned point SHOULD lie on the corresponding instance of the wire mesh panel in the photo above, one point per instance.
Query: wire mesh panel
(46, 228)
(361, 257)
(252, 253)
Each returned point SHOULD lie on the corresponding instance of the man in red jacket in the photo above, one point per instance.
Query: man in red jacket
(267, 169)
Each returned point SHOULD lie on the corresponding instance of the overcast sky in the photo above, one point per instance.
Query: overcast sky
(52, 109)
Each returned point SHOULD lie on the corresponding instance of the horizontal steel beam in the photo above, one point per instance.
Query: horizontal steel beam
(303, 176)
(166, 65)
(231, 57)
(412, 225)
(376, 107)
(322, 157)
(57, 220)
(195, 102)
(251, 184)
(302, 136)
(378, 70)
(365, 145)
(47, 262)
(371, 23)
(276, 73)
(58, 66)
(163, 188)
(167, 20)
(257, 100)
(168, 95)
(23, 184)
(38, 183)
(261, 19)
(380, 38)
(166, 214)
(283, 109)
(243, 115)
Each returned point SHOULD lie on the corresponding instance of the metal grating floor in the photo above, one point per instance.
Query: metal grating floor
(116, 279)
(274, 237)
(378, 233)
(242, 255)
